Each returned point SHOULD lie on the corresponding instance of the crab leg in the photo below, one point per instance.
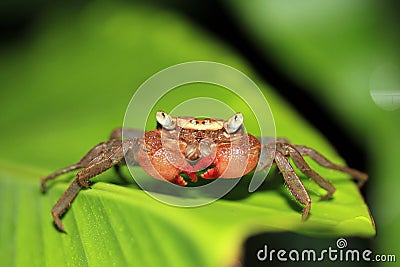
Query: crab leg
(299, 161)
(97, 160)
(129, 133)
(64, 202)
(94, 152)
(293, 182)
(130, 158)
(321, 160)
(56, 174)
(111, 156)
(266, 158)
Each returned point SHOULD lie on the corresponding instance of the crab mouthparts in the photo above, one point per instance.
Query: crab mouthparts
(199, 164)
(210, 173)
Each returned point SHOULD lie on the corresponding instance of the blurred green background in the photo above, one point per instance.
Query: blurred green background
(69, 68)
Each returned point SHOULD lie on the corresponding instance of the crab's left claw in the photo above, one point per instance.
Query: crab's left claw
(179, 181)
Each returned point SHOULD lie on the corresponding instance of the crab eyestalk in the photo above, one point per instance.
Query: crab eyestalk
(234, 123)
(166, 120)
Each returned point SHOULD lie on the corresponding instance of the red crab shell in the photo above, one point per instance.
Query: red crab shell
(165, 156)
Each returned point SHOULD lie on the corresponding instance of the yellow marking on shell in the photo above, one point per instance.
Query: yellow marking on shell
(201, 125)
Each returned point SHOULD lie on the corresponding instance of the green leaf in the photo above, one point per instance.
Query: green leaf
(346, 54)
(68, 88)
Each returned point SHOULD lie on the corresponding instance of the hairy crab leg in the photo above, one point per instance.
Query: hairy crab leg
(94, 152)
(267, 156)
(64, 202)
(97, 160)
(107, 159)
(130, 158)
(321, 160)
(300, 163)
(293, 182)
(128, 132)
(56, 174)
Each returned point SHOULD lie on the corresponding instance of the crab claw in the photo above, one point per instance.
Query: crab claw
(210, 174)
(192, 176)
(179, 181)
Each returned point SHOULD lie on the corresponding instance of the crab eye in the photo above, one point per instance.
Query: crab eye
(205, 122)
(193, 122)
(234, 123)
(166, 120)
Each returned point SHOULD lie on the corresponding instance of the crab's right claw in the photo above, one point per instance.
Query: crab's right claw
(179, 181)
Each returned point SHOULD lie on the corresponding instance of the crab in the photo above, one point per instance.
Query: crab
(192, 147)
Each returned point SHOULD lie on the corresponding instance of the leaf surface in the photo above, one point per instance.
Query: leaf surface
(73, 93)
